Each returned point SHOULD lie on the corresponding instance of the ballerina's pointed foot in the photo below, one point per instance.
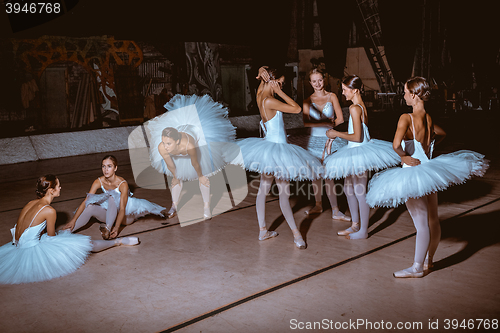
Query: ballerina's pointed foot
(338, 215)
(415, 271)
(265, 234)
(105, 233)
(353, 228)
(357, 235)
(317, 209)
(128, 241)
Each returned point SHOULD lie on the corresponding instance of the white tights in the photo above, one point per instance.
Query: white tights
(330, 191)
(107, 216)
(423, 211)
(355, 191)
(284, 196)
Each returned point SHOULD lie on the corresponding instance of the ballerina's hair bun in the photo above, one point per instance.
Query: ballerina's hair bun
(419, 86)
(353, 82)
(274, 74)
(44, 183)
(172, 133)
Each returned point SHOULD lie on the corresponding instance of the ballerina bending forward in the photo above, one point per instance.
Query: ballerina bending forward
(192, 140)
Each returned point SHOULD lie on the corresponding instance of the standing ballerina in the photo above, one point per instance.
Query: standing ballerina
(33, 256)
(418, 181)
(192, 140)
(115, 206)
(321, 112)
(273, 157)
(354, 160)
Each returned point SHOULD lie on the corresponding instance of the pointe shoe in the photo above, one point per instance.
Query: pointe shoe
(172, 212)
(415, 271)
(268, 234)
(338, 215)
(353, 228)
(104, 232)
(206, 213)
(299, 242)
(315, 210)
(129, 241)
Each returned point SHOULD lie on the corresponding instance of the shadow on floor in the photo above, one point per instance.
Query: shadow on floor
(475, 231)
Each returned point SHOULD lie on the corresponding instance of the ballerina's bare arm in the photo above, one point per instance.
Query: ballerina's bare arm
(272, 104)
(93, 189)
(438, 134)
(123, 188)
(403, 124)
(306, 115)
(168, 160)
(356, 113)
(263, 76)
(49, 215)
(338, 110)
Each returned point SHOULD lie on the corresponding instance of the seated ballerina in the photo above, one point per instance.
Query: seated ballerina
(115, 206)
(192, 140)
(33, 256)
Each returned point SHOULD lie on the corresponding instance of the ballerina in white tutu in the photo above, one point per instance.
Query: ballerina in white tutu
(273, 157)
(33, 256)
(115, 206)
(192, 140)
(418, 181)
(353, 161)
(321, 112)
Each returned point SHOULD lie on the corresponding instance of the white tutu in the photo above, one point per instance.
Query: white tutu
(282, 160)
(37, 258)
(273, 155)
(348, 160)
(392, 187)
(206, 121)
(315, 144)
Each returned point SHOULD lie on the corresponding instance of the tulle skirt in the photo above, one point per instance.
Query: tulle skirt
(373, 155)
(214, 133)
(135, 207)
(49, 258)
(392, 187)
(282, 160)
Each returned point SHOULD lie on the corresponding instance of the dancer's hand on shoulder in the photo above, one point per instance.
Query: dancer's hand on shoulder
(408, 160)
(204, 181)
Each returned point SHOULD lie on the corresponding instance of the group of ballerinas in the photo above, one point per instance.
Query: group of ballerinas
(194, 140)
